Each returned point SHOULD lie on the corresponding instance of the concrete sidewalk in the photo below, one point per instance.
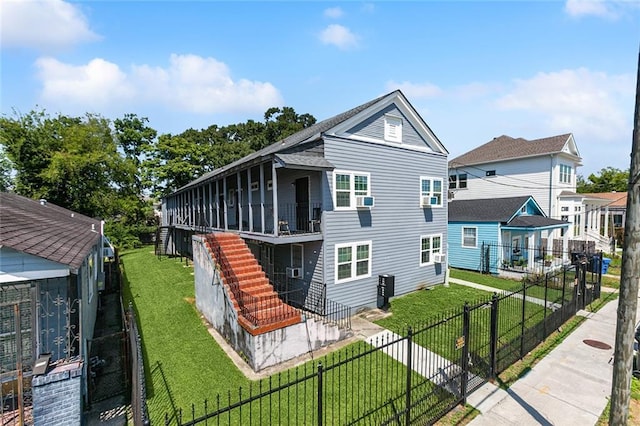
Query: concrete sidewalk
(570, 386)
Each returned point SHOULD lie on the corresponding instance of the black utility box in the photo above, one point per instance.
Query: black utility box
(386, 285)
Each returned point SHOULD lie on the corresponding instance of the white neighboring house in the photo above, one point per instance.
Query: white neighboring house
(543, 168)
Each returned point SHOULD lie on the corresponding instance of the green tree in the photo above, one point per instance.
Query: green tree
(6, 168)
(70, 161)
(607, 180)
(177, 160)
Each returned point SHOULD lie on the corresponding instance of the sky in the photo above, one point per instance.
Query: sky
(474, 70)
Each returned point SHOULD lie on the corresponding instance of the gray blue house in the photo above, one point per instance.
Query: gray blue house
(333, 207)
(502, 235)
(51, 268)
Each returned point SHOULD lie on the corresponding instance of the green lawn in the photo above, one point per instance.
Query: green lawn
(554, 292)
(184, 364)
(421, 308)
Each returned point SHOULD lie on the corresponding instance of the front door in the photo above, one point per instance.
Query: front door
(302, 204)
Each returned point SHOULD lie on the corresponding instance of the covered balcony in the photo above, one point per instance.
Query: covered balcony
(274, 202)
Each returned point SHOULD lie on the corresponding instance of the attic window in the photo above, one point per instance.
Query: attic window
(392, 128)
(491, 172)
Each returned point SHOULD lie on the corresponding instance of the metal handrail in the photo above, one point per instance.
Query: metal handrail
(250, 305)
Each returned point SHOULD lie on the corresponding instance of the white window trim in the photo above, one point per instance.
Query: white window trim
(352, 192)
(568, 175)
(392, 121)
(431, 192)
(354, 247)
(462, 236)
(431, 236)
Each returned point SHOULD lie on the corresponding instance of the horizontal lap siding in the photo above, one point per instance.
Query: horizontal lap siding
(513, 178)
(466, 257)
(374, 127)
(394, 224)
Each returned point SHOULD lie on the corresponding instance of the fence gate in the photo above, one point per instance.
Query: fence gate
(107, 367)
(479, 347)
(16, 353)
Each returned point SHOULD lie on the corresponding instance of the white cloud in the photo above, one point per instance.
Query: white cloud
(190, 83)
(415, 90)
(333, 12)
(203, 85)
(43, 24)
(95, 84)
(339, 36)
(609, 9)
(583, 101)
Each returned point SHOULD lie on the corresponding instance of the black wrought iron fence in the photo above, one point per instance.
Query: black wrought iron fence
(414, 377)
(139, 410)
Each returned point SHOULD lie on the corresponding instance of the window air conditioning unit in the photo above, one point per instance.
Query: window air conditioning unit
(363, 202)
(294, 272)
(428, 201)
(438, 257)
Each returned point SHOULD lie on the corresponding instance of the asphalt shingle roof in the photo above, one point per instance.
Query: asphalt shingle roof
(505, 148)
(489, 210)
(305, 160)
(531, 221)
(47, 231)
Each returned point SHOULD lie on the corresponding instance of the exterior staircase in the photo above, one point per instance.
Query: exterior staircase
(602, 243)
(162, 236)
(259, 308)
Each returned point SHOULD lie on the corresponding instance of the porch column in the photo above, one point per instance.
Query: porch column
(250, 199)
(565, 247)
(262, 197)
(239, 199)
(193, 207)
(217, 204)
(210, 204)
(532, 250)
(606, 221)
(274, 184)
(550, 235)
(224, 198)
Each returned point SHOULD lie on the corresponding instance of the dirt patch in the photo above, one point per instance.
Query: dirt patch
(190, 300)
(634, 412)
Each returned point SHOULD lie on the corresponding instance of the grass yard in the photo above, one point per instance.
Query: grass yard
(421, 308)
(553, 292)
(183, 362)
(184, 365)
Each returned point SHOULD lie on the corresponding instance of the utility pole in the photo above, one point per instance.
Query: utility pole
(629, 281)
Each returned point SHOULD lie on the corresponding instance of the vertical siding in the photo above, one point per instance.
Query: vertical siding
(465, 257)
(394, 225)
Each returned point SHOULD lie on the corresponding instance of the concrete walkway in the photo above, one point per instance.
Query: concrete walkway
(529, 299)
(570, 386)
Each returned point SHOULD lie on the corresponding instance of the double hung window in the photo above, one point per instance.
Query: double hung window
(353, 261)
